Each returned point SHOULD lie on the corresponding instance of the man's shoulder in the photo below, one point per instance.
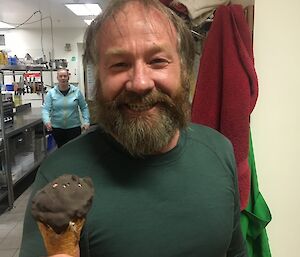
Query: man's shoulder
(213, 142)
(204, 132)
(209, 137)
(76, 155)
(80, 146)
(95, 135)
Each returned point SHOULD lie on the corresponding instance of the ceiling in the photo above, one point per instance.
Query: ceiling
(18, 11)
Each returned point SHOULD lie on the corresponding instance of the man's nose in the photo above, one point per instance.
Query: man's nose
(140, 80)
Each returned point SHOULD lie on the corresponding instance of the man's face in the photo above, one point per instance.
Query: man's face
(139, 77)
(63, 77)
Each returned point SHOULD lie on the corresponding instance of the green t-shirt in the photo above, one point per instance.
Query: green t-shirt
(183, 203)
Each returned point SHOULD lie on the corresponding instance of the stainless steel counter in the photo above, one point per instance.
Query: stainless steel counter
(15, 181)
(24, 120)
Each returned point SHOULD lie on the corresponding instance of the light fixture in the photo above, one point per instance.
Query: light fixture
(88, 22)
(84, 9)
(4, 25)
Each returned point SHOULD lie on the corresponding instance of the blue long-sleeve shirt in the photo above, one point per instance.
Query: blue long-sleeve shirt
(62, 111)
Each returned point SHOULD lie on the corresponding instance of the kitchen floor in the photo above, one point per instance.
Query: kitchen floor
(11, 225)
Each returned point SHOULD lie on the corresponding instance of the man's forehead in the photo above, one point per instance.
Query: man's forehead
(134, 13)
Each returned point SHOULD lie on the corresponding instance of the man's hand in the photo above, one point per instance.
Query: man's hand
(48, 126)
(85, 126)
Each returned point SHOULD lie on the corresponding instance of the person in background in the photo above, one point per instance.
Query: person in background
(60, 110)
(163, 187)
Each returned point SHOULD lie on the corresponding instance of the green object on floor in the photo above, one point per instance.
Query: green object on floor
(256, 216)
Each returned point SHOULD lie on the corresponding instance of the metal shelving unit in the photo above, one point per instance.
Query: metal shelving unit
(22, 147)
(5, 186)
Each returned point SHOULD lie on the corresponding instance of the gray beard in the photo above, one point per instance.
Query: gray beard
(145, 134)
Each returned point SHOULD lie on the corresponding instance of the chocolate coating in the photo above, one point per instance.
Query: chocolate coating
(67, 198)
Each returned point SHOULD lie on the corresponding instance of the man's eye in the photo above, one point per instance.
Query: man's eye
(119, 65)
(159, 62)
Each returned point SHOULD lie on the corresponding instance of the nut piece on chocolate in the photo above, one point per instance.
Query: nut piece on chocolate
(66, 199)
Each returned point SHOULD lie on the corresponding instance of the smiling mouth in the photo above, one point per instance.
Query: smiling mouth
(139, 107)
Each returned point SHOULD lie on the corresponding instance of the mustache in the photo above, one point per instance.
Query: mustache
(151, 98)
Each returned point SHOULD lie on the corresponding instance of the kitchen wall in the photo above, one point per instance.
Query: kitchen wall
(22, 41)
(276, 119)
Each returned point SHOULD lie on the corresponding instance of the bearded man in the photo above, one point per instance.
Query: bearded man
(163, 187)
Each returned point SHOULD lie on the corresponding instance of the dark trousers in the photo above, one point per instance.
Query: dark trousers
(62, 136)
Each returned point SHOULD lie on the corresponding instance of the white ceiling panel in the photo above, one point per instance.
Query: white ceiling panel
(18, 11)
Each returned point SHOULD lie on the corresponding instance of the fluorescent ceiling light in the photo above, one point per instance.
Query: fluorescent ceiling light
(84, 9)
(88, 22)
(4, 25)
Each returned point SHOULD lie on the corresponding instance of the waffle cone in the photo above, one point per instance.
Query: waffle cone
(64, 243)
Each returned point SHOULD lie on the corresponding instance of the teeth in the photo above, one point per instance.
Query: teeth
(139, 108)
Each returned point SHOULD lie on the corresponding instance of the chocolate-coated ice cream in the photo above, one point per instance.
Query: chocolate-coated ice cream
(66, 199)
